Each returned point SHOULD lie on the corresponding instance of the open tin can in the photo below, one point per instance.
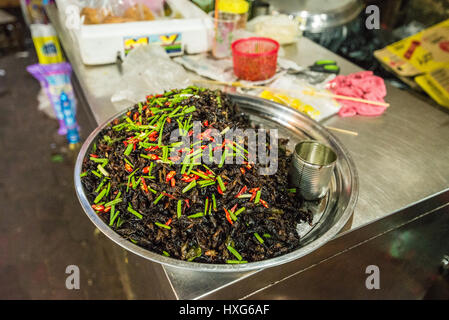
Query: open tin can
(312, 167)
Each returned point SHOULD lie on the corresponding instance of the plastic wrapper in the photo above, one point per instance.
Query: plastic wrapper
(280, 28)
(55, 79)
(146, 70)
(119, 11)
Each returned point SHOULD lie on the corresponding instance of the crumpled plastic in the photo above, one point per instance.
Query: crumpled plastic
(363, 85)
(148, 70)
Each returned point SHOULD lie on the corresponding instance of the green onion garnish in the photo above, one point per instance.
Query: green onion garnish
(189, 186)
(102, 170)
(100, 195)
(100, 160)
(83, 174)
(292, 190)
(162, 225)
(128, 162)
(259, 238)
(97, 174)
(179, 209)
(113, 216)
(235, 253)
(206, 205)
(129, 148)
(257, 199)
(221, 184)
(189, 109)
(239, 211)
(196, 215)
(165, 253)
(100, 185)
(199, 174)
(266, 235)
(159, 197)
(113, 202)
(214, 202)
(232, 215)
(223, 158)
(236, 261)
(134, 212)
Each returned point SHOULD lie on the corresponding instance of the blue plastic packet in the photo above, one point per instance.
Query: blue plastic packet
(69, 119)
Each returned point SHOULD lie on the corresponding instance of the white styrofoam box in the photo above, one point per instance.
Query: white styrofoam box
(102, 43)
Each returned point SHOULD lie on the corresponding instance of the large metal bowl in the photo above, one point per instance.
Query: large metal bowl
(330, 214)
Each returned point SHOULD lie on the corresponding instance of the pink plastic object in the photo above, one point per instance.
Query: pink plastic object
(363, 85)
(255, 58)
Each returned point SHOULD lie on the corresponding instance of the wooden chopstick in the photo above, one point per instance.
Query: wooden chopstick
(308, 92)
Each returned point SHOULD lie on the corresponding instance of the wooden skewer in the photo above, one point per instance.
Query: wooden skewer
(308, 92)
(337, 96)
(343, 131)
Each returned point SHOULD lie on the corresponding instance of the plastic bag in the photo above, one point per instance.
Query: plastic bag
(148, 70)
(280, 28)
(119, 11)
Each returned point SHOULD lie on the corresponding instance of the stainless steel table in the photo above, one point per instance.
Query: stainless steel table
(402, 157)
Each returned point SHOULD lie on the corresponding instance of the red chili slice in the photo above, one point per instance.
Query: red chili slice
(187, 202)
(228, 216)
(168, 195)
(93, 155)
(264, 203)
(253, 196)
(173, 182)
(233, 208)
(146, 170)
(244, 188)
(107, 209)
(128, 167)
(144, 185)
(219, 190)
(98, 207)
(168, 222)
(242, 170)
(170, 175)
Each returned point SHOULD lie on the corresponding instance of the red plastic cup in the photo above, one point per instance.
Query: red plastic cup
(255, 58)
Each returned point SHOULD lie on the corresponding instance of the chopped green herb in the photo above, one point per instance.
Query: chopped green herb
(236, 261)
(100, 195)
(129, 148)
(235, 253)
(134, 212)
(196, 215)
(221, 184)
(259, 238)
(159, 197)
(189, 186)
(179, 208)
(162, 225)
(102, 170)
(257, 199)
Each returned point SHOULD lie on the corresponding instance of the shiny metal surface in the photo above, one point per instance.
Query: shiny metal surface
(319, 15)
(311, 169)
(332, 213)
(401, 157)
